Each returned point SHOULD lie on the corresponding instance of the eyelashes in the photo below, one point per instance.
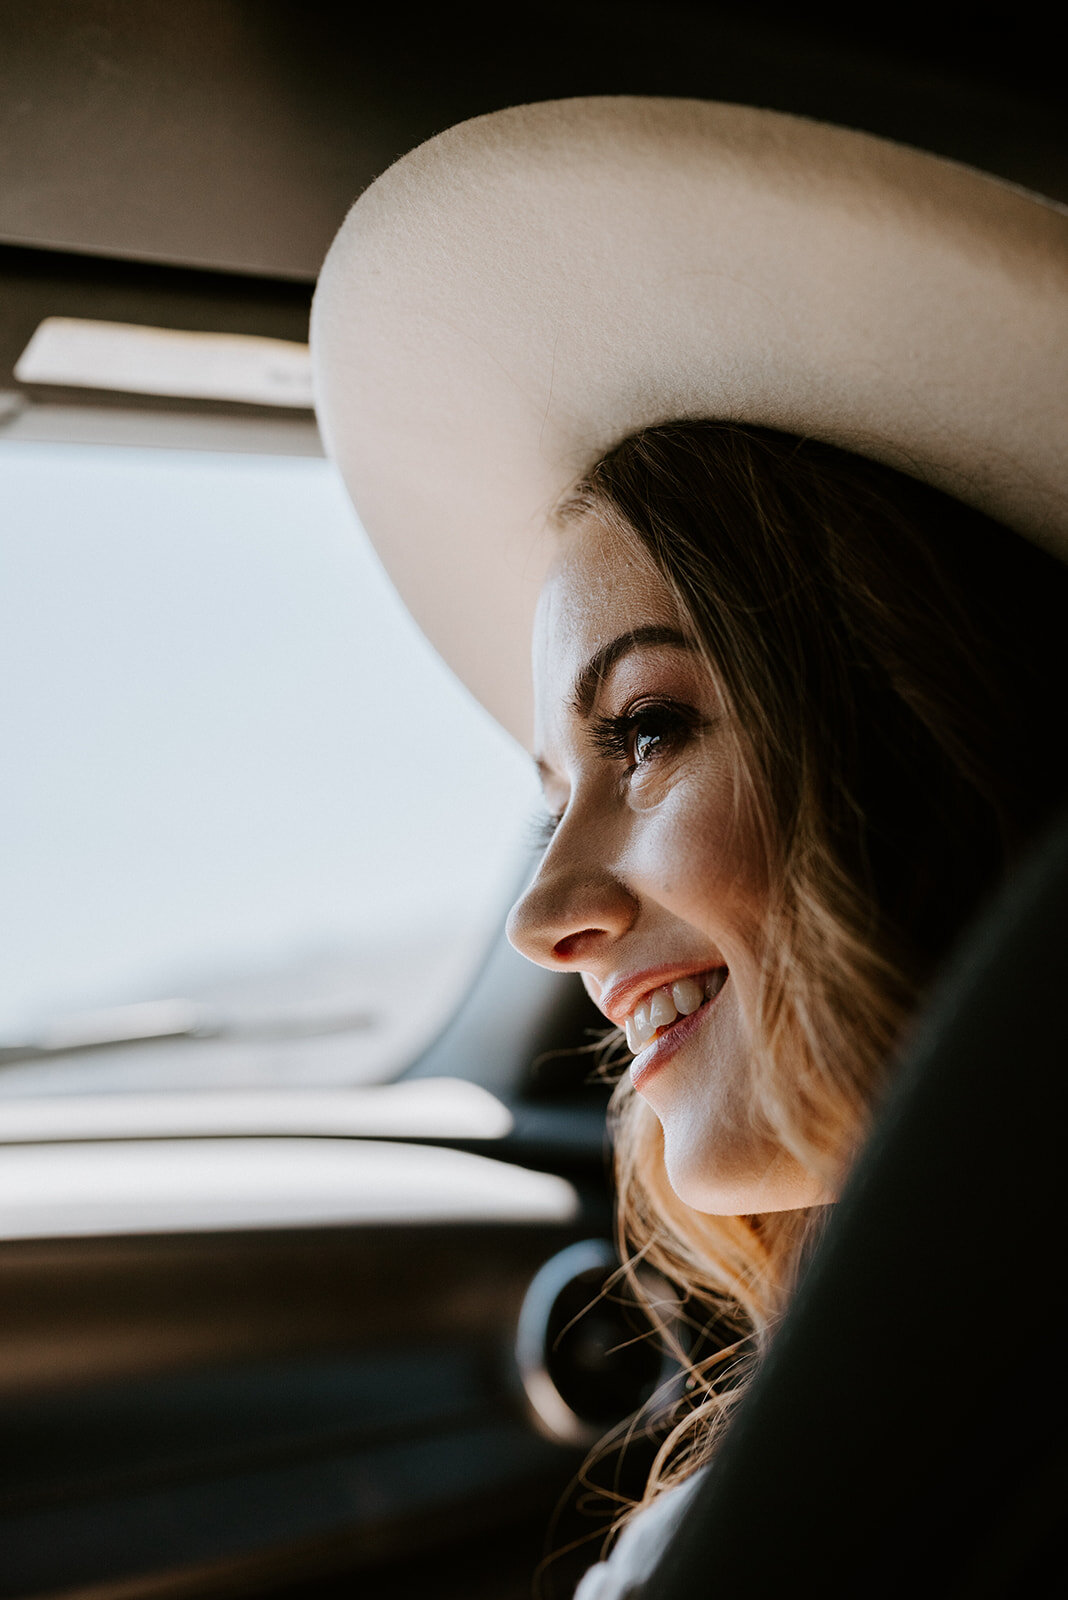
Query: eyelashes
(637, 738)
(644, 733)
(540, 830)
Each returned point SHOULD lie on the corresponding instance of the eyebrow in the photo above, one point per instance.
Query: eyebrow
(602, 661)
(600, 664)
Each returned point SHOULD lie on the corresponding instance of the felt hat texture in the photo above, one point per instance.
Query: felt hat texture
(519, 294)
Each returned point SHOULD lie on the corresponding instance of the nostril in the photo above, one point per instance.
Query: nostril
(573, 945)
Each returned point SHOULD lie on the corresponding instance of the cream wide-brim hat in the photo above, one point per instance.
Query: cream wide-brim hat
(522, 292)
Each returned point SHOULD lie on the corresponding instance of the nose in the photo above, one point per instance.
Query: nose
(573, 911)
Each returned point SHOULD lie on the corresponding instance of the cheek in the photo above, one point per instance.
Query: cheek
(690, 853)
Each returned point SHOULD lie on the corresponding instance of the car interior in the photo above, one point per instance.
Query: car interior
(275, 1322)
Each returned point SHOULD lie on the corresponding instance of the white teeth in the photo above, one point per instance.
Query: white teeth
(664, 1006)
(643, 1028)
(687, 994)
(662, 1009)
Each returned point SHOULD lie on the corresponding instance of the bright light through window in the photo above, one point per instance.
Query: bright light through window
(236, 777)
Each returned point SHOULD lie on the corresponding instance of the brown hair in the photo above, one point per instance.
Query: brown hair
(886, 654)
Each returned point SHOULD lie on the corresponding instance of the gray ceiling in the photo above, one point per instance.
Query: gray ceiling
(232, 134)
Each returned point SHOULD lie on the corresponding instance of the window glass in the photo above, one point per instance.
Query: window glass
(249, 824)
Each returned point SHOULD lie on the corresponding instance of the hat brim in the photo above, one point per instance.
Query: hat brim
(525, 290)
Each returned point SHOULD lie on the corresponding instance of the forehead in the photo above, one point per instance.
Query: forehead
(600, 585)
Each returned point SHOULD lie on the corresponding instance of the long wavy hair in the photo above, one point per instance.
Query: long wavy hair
(886, 655)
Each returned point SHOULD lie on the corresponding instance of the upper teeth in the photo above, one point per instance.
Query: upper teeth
(661, 1007)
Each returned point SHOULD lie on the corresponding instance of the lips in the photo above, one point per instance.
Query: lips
(661, 1008)
(669, 1038)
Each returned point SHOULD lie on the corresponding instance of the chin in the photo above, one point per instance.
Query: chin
(768, 1181)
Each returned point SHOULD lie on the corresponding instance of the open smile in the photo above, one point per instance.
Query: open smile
(659, 1026)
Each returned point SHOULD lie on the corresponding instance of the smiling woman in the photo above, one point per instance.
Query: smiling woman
(652, 886)
(749, 421)
(792, 724)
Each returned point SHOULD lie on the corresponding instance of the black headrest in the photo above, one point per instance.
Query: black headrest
(908, 1431)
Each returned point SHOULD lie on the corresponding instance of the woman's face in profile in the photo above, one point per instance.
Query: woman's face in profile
(650, 886)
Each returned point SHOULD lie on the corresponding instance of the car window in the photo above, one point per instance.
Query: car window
(251, 829)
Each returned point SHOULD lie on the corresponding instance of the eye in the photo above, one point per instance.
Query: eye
(645, 733)
(646, 740)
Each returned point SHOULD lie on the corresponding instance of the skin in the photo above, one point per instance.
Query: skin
(648, 867)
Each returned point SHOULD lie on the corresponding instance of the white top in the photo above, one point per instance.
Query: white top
(640, 1545)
